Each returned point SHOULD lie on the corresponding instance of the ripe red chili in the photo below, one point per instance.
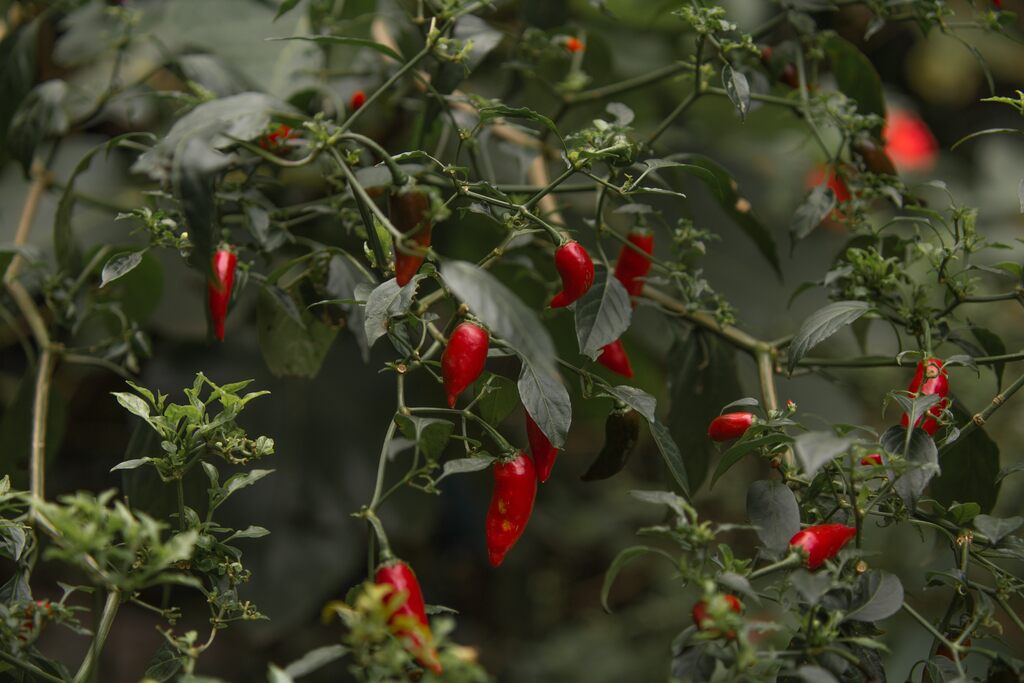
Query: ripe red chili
(410, 214)
(871, 459)
(463, 359)
(632, 267)
(577, 271)
(821, 542)
(614, 357)
(357, 101)
(702, 621)
(788, 74)
(409, 622)
(930, 378)
(544, 453)
(909, 142)
(515, 487)
(730, 426)
(219, 289)
(573, 44)
(277, 138)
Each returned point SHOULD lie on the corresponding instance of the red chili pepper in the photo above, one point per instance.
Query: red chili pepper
(930, 378)
(544, 453)
(219, 289)
(614, 357)
(821, 542)
(409, 622)
(357, 101)
(703, 621)
(871, 459)
(788, 74)
(730, 426)
(515, 487)
(463, 359)
(573, 44)
(279, 135)
(909, 142)
(410, 214)
(632, 267)
(577, 270)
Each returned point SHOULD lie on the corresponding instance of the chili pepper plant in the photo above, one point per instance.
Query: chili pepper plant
(523, 236)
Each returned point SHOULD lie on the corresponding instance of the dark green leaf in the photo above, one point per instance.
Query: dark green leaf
(821, 325)
(428, 433)
(921, 455)
(637, 399)
(855, 76)
(385, 302)
(876, 596)
(465, 465)
(750, 441)
(625, 556)
(997, 528)
(993, 346)
(814, 449)
(12, 540)
(602, 314)
(970, 468)
(670, 454)
(814, 209)
(315, 660)
(501, 111)
(285, 7)
(165, 663)
(42, 114)
(772, 508)
(546, 400)
(499, 400)
(288, 348)
(17, 71)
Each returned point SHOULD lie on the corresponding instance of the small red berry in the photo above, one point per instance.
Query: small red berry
(872, 459)
(573, 44)
(730, 426)
(357, 101)
(701, 618)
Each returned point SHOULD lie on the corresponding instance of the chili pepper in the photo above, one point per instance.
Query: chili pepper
(463, 359)
(909, 142)
(573, 44)
(544, 453)
(577, 270)
(730, 426)
(515, 487)
(930, 378)
(621, 432)
(357, 101)
(788, 74)
(614, 357)
(821, 542)
(704, 622)
(410, 214)
(871, 459)
(219, 289)
(632, 267)
(277, 138)
(409, 622)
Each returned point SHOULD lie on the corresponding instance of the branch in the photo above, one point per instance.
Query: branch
(733, 335)
(40, 179)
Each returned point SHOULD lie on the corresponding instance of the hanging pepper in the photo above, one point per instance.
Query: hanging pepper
(515, 487)
(357, 101)
(614, 357)
(409, 622)
(463, 359)
(573, 44)
(544, 453)
(730, 426)
(621, 432)
(821, 542)
(871, 459)
(632, 267)
(219, 289)
(788, 75)
(577, 271)
(276, 140)
(930, 378)
(703, 621)
(410, 214)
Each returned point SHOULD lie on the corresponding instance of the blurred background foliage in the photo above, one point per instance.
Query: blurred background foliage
(538, 618)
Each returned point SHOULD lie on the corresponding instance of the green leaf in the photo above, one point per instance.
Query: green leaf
(877, 595)
(499, 400)
(737, 88)
(921, 455)
(387, 301)
(772, 508)
(165, 663)
(821, 325)
(465, 465)
(637, 399)
(251, 531)
(752, 440)
(277, 675)
(130, 464)
(12, 540)
(603, 314)
(810, 673)
(501, 311)
(997, 528)
(970, 468)
(120, 264)
(288, 348)
(625, 556)
(18, 50)
(855, 75)
(993, 346)
(501, 111)
(346, 40)
(670, 454)
(430, 434)
(704, 378)
(40, 115)
(725, 191)
(314, 660)
(812, 211)
(285, 7)
(546, 400)
(133, 404)
(815, 449)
